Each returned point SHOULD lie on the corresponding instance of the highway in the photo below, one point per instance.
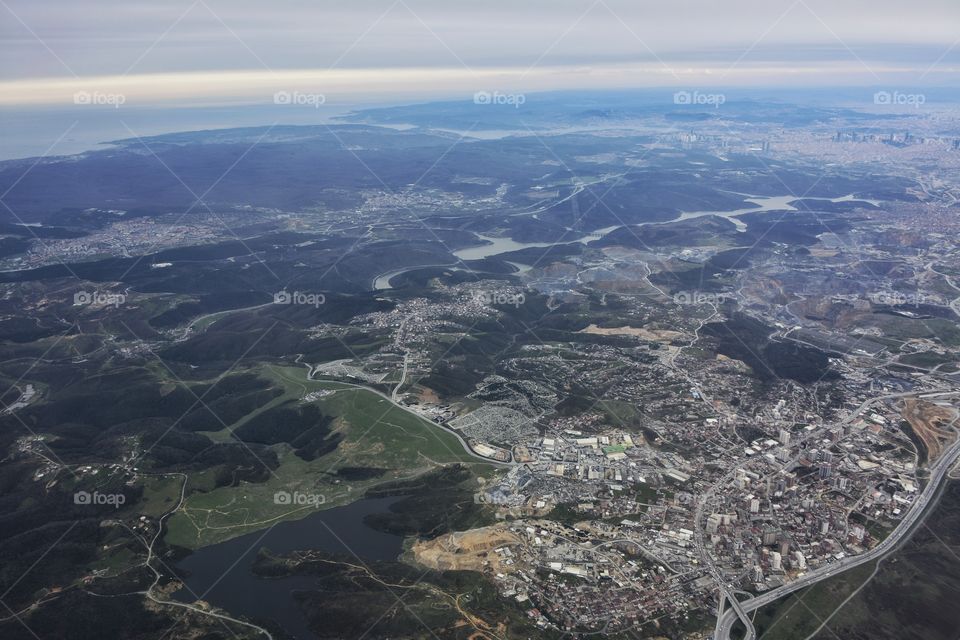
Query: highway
(914, 516)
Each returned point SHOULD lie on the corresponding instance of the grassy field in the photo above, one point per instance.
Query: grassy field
(798, 615)
(376, 435)
(160, 495)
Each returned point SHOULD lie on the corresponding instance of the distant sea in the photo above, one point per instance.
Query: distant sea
(27, 133)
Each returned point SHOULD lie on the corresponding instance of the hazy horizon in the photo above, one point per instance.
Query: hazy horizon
(212, 51)
(75, 77)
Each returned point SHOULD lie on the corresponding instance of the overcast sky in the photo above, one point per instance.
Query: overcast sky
(220, 50)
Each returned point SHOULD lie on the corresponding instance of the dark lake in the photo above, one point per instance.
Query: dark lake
(221, 574)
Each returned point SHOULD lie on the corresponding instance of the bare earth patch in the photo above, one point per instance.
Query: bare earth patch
(653, 335)
(472, 550)
(930, 423)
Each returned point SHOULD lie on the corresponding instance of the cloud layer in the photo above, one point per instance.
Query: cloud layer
(240, 49)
